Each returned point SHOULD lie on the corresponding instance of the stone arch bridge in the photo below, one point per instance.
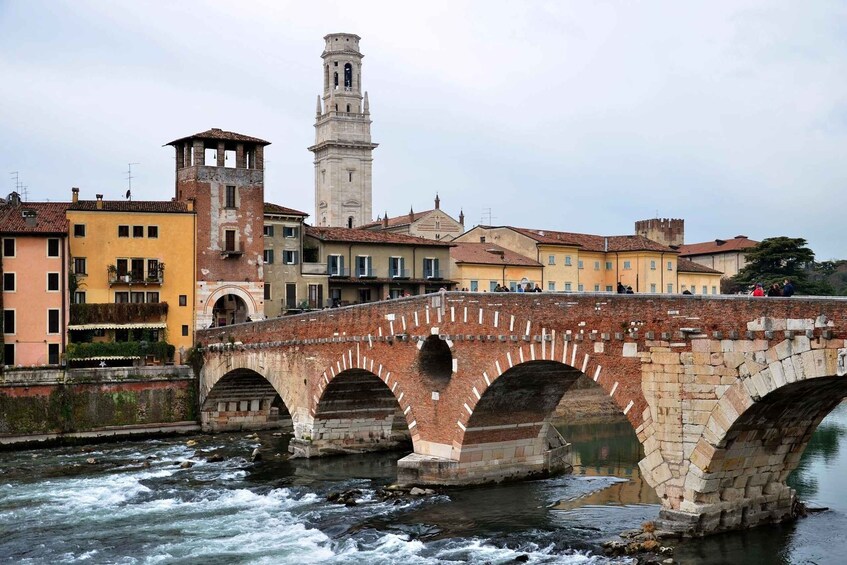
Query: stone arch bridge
(722, 392)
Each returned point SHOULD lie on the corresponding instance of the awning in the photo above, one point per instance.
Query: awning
(150, 326)
(105, 358)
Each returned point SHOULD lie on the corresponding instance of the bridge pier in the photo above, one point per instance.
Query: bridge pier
(544, 455)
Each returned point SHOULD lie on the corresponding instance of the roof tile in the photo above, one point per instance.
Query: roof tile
(738, 243)
(368, 236)
(166, 206)
(49, 218)
(489, 254)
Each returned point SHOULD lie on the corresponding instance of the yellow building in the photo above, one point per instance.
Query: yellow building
(136, 260)
(481, 267)
(587, 263)
(698, 279)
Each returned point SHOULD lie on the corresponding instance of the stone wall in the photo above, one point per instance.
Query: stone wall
(56, 402)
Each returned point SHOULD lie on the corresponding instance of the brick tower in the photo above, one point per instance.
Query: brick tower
(667, 231)
(343, 149)
(221, 174)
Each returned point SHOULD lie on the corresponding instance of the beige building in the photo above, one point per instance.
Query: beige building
(285, 287)
(724, 255)
(588, 263)
(481, 267)
(343, 148)
(364, 266)
(430, 224)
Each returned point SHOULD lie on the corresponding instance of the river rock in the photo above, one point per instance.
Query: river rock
(186, 465)
(522, 558)
(216, 458)
(91, 461)
(191, 443)
(256, 455)
(347, 498)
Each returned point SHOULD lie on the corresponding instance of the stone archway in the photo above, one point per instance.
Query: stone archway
(243, 399)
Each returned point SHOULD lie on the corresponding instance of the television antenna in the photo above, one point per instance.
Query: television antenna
(486, 213)
(129, 178)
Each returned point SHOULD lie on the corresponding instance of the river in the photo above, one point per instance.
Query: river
(135, 504)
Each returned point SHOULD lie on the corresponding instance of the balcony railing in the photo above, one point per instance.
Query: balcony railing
(130, 278)
(365, 272)
(433, 274)
(124, 313)
(314, 268)
(339, 272)
(398, 273)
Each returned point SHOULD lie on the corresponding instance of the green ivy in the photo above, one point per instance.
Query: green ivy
(162, 350)
(106, 313)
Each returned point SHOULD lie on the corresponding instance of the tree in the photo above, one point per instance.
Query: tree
(776, 259)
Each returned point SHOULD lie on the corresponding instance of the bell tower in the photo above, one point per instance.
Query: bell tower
(343, 148)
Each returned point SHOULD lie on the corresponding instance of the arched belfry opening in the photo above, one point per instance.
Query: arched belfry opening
(436, 360)
(348, 76)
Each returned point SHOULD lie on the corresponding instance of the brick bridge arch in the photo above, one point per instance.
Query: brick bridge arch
(670, 363)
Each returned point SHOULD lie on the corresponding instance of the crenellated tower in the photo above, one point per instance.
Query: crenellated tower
(343, 148)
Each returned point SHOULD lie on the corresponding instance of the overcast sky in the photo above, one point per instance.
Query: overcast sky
(571, 116)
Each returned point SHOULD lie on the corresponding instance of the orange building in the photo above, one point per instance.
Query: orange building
(35, 275)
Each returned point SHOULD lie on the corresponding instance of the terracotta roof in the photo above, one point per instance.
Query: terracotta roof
(594, 242)
(488, 254)
(738, 243)
(216, 133)
(366, 236)
(688, 266)
(49, 218)
(166, 206)
(398, 220)
(277, 209)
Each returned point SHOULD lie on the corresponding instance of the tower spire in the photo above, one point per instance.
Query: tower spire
(367, 104)
(318, 108)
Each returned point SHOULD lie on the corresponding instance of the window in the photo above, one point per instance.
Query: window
(185, 329)
(705, 289)
(153, 231)
(349, 173)
(513, 286)
(230, 197)
(268, 256)
(627, 265)
(183, 300)
(122, 267)
(79, 297)
(52, 282)
(121, 297)
(268, 231)
(53, 354)
(608, 288)
(364, 267)
(152, 298)
(431, 268)
(596, 265)
(153, 270)
(653, 265)
(579, 264)
(396, 267)
(79, 230)
(653, 287)
(8, 282)
(670, 265)
(474, 286)
(52, 247)
(551, 286)
(551, 260)
(53, 321)
(123, 231)
(335, 265)
(136, 297)
(567, 287)
(596, 288)
(492, 285)
(567, 260)
(289, 232)
(229, 240)
(670, 288)
(80, 266)
(8, 247)
(137, 268)
(8, 321)
(9, 353)
(137, 231)
(267, 291)
(580, 287)
(289, 257)
(608, 265)
(714, 290)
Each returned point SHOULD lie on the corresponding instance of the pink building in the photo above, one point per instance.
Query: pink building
(35, 281)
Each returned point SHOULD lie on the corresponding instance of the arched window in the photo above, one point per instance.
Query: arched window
(350, 222)
(348, 75)
(348, 108)
(336, 79)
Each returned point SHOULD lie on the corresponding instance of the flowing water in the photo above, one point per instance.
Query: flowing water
(135, 504)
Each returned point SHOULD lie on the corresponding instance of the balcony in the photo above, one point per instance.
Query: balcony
(365, 273)
(135, 279)
(313, 268)
(433, 274)
(398, 273)
(125, 312)
(339, 272)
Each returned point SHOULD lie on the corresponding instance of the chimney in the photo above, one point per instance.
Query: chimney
(411, 215)
(385, 220)
(190, 204)
(99, 201)
(606, 244)
(462, 218)
(74, 195)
